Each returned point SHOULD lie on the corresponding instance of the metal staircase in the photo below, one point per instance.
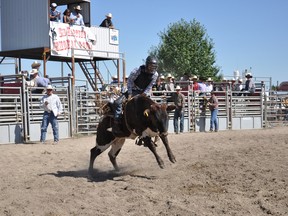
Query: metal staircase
(92, 74)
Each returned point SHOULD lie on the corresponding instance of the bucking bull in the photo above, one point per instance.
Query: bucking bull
(142, 118)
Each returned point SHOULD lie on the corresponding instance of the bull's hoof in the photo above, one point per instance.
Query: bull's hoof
(172, 159)
(162, 166)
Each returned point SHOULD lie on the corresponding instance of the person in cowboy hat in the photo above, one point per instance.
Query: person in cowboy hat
(77, 16)
(169, 84)
(52, 109)
(36, 65)
(249, 84)
(33, 77)
(179, 102)
(194, 86)
(209, 85)
(107, 22)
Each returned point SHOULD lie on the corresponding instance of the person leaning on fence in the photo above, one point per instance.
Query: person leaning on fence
(52, 109)
(158, 86)
(213, 107)
(107, 23)
(179, 102)
(54, 14)
(76, 16)
(66, 17)
(209, 85)
(249, 85)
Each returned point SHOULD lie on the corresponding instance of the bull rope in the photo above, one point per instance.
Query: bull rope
(128, 127)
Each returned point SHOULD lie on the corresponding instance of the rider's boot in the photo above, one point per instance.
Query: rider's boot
(116, 129)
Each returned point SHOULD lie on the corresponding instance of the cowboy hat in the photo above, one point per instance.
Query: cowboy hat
(209, 79)
(35, 64)
(162, 77)
(178, 88)
(240, 80)
(109, 15)
(49, 87)
(54, 5)
(248, 75)
(194, 77)
(78, 7)
(169, 75)
(33, 71)
(114, 77)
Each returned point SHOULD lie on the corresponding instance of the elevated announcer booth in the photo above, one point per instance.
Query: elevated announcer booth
(28, 33)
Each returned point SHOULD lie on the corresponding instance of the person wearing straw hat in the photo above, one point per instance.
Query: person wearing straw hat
(194, 85)
(209, 85)
(36, 65)
(52, 109)
(76, 16)
(179, 102)
(107, 22)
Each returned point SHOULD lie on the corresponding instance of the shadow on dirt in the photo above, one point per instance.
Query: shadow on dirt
(98, 175)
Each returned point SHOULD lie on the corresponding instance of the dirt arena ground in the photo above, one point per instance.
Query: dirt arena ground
(226, 173)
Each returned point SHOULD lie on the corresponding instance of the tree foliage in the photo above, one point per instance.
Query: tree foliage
(185, 48)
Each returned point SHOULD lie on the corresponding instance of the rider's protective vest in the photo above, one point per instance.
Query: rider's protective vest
(144, 79)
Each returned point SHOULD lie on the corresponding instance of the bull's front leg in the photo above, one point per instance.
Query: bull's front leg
(148, 142)
(164, 138)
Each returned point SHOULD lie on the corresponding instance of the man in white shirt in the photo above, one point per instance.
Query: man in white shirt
(52, 109)
(76, 16)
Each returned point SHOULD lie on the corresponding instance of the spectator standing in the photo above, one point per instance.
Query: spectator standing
(158, 86)
(140, 81)
(107, 23)
(37, 82)
(239, 85)
(52, 109)
(179, 102)
(66, 17)
(209, 85)
(36, 65)
(76, 16)
(170, 86)
(114, 80)
(33, 77)
(213, 107)
(249, 84)
(202, 87)
(162, 80)
(195, 85)
(54, 15)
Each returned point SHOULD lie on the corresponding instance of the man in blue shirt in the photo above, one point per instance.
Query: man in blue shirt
(54, 14)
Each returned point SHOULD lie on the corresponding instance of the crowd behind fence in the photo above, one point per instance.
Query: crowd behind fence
(83, 109)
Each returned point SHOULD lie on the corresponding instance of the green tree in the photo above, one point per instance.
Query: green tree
(185, 48)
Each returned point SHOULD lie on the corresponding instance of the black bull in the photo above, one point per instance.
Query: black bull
(142, 117)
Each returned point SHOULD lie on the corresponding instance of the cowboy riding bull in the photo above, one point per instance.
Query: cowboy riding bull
(142, 118)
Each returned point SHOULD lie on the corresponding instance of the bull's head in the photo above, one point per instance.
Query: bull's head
(158, 117)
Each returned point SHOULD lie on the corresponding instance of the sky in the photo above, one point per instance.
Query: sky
(246, 33)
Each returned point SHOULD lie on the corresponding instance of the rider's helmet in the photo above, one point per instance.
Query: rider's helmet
(151, 64)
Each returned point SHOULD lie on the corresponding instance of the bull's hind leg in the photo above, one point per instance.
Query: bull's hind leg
(115, 149)
(150, 144)
(94, 152)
